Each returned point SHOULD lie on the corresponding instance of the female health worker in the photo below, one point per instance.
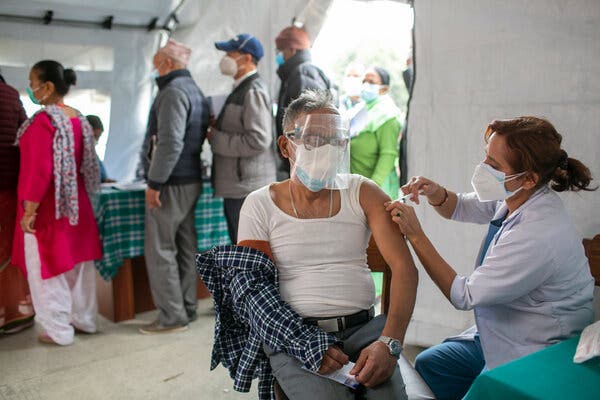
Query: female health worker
(531, 286)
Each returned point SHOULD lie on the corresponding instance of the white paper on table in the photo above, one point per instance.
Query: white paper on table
(589, 344)
(342, 375)
(139, 185)
(216, 104)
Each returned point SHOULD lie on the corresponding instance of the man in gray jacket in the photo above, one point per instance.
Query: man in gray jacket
(176, 130)
(241, 138)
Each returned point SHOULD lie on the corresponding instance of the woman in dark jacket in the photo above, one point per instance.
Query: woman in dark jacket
(16, 310)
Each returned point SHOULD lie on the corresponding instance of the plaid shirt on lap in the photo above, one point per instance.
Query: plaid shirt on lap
(250, 313)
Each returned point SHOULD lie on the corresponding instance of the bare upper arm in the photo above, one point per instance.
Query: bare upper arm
(261, 245)
(387, 235)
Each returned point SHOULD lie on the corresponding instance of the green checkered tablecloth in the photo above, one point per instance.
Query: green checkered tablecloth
(120, 217)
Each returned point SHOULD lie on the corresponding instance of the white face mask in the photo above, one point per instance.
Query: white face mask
(317, 168)
(489, 183)
(228, 66)
(352, 85)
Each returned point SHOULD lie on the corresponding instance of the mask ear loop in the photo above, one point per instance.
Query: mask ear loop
(511, 193)
(295, 133)
(43, 98)
(287, 153)
(514, 176)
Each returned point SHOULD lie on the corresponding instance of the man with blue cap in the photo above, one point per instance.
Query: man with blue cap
(241, 138)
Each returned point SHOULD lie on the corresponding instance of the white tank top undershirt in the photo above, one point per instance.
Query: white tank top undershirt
(322, 262)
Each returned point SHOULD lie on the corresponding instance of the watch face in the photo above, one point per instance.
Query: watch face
(395, 348)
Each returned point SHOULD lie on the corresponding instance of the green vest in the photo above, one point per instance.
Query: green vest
(374, 151)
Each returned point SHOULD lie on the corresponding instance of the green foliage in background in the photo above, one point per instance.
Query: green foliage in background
(378, 57)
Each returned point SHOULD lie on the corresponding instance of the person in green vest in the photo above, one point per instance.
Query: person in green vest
(374, 139)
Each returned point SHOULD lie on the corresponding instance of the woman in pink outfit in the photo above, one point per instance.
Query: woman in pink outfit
(56, 236)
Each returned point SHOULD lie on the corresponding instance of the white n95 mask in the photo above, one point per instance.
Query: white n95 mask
(352, 85)
(317, 168)
(228, 66)
(488, 183)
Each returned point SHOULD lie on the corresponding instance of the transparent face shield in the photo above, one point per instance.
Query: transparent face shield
(321, 148)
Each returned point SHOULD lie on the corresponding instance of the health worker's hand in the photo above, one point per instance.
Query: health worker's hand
(418, 185)
(406, 218)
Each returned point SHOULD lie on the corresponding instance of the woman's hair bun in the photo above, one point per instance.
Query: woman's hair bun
(70, 77)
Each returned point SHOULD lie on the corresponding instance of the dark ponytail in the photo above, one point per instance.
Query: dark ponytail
(535, 147)
(571, 174)
(53, 71)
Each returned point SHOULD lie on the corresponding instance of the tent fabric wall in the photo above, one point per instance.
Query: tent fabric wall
(217, 21)
(482, 60)
(128, 82)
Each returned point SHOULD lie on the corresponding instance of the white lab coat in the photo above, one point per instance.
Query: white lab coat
(534, 286)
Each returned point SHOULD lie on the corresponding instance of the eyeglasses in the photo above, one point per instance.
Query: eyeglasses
(312, 141)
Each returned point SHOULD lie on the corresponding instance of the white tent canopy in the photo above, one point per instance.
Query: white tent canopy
(476, 60)
(117, 62)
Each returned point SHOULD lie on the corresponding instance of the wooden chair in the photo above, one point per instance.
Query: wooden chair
(377, 263)
(592, 251)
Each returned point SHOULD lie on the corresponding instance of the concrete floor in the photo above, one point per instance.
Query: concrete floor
(119, 363)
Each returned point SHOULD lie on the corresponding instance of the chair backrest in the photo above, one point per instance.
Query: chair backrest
(592, 251)
(377, 263)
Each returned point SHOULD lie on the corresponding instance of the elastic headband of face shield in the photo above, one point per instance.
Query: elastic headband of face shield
(321, 151)
(319, 129)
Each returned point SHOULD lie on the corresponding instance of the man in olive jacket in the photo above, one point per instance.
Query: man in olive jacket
(241, 138)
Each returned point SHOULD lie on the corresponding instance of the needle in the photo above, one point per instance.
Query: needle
(405, 197)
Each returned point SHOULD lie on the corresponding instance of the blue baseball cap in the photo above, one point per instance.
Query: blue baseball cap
(243, 43)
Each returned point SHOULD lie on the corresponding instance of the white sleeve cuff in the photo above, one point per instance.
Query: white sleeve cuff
(459, 297)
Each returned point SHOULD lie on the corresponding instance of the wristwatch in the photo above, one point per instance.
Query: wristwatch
(393, 344)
